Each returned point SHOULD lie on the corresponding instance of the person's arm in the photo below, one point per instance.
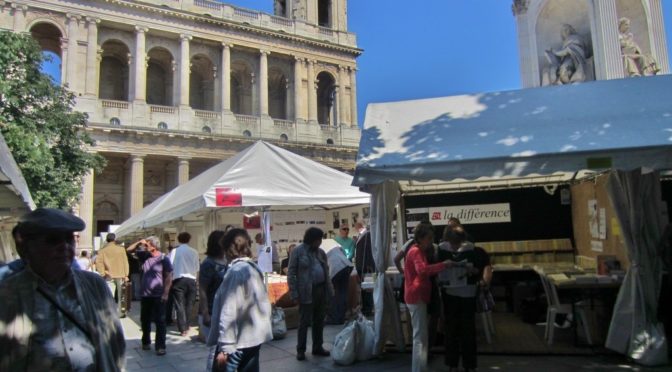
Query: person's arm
(292, 280)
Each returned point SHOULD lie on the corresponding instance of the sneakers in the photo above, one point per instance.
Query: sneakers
(160, 351)
(300, 355)
(321, 352)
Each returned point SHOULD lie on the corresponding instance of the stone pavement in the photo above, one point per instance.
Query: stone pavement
(188, 354)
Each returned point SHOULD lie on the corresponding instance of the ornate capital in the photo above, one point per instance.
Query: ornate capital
(519, 7)
(141, 30)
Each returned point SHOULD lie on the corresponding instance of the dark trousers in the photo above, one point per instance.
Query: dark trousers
(243, 360)
(460, 330)
(312, 315)
(336, 314)
(184, 295)
(152, 309)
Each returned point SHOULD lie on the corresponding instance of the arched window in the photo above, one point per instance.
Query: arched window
(206, 129)
(326, 99)
(284, 138)
(49, 37)
(160, 77)
(115, 122)
(202, 83)
(114, 71)
(330, 141)
(162, 125)
(247, 133)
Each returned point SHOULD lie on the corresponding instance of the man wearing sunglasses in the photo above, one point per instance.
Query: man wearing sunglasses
(56, 318)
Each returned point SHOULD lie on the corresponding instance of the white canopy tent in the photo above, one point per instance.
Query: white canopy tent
(15, 199)
(539, 136)
(263, 176)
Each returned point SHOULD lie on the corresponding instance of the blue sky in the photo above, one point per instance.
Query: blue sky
(439, 48)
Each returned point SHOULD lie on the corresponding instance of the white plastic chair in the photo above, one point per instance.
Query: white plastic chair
(556, 308)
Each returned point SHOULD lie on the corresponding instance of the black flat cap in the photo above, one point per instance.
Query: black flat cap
(49, 219)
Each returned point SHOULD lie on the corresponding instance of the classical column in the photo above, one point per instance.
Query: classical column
(298, 85)
(184, 69)
(312, 93)
(140, 65)
(606, 47)
(353, 97)
(226, 77)
(263, 82)
(92, 57)
(342, 106)
(182, 171)
(19, 17)
(86, 211)
(71, 69)
(137, 183)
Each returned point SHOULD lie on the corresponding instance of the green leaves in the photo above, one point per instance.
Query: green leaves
(45, 135)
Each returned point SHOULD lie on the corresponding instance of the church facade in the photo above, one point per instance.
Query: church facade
(172, 87)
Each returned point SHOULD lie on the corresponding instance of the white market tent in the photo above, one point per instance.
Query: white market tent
(540, 136)
(15, 199)
(263, 176)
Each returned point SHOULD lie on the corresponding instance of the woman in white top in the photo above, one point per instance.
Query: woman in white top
(241, 314)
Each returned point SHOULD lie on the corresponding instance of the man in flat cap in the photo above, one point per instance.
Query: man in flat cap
(56, 318)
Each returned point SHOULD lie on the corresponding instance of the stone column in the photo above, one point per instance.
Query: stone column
(140, 65)
(226, 77)
(137, 184)
(184, 69)
(263, 82)
(657, 35)
(86, 211)
(19, 17)
(298, 86)
(312, 93)
(92, 57)
(71, 68)
(342, 105)
(606, 47)
(353, 97)
(182, 171)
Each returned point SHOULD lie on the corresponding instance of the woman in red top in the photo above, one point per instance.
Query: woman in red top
(418, 288)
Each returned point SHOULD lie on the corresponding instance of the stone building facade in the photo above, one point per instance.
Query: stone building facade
(172, 87)
(607, 47)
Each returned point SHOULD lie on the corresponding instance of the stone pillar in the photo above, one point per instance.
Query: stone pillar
(71, 68)
(312, 93)
(263, 82)
(184, 69)
(140, 65)
(657, 35)
(298, 85)
(92, 57)
(353, 97)
(86, 211)
(19, 17)
(226, 77)
(137, 184)
(182, 171)
(342, 104)
(606, 47)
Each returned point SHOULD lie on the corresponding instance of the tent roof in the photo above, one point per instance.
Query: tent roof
(15, 198)
(263, 175)
(549, 133)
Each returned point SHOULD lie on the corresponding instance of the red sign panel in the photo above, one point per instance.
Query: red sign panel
(225, 197)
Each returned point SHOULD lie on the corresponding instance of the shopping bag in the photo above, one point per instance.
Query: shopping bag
(278, 325)
(343, 351)
(366, 338)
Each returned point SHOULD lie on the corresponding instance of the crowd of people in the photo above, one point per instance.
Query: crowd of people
(58, 315)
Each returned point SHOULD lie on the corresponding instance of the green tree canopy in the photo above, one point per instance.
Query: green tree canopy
(44, 133)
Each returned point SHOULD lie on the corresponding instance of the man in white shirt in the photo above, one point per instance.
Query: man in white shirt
(185, 273)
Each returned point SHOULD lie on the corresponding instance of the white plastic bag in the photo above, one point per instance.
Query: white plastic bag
(345, 342)
(278, 324)
(366, 338)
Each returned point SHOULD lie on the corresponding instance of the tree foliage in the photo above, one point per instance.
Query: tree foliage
(44, 133)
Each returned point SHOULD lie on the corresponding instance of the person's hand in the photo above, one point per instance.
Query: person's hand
(221, 359)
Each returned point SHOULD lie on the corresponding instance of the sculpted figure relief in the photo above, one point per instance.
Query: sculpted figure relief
(568, 64)
(636, 63)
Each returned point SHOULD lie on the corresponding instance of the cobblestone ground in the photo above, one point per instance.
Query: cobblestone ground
(189, 355)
